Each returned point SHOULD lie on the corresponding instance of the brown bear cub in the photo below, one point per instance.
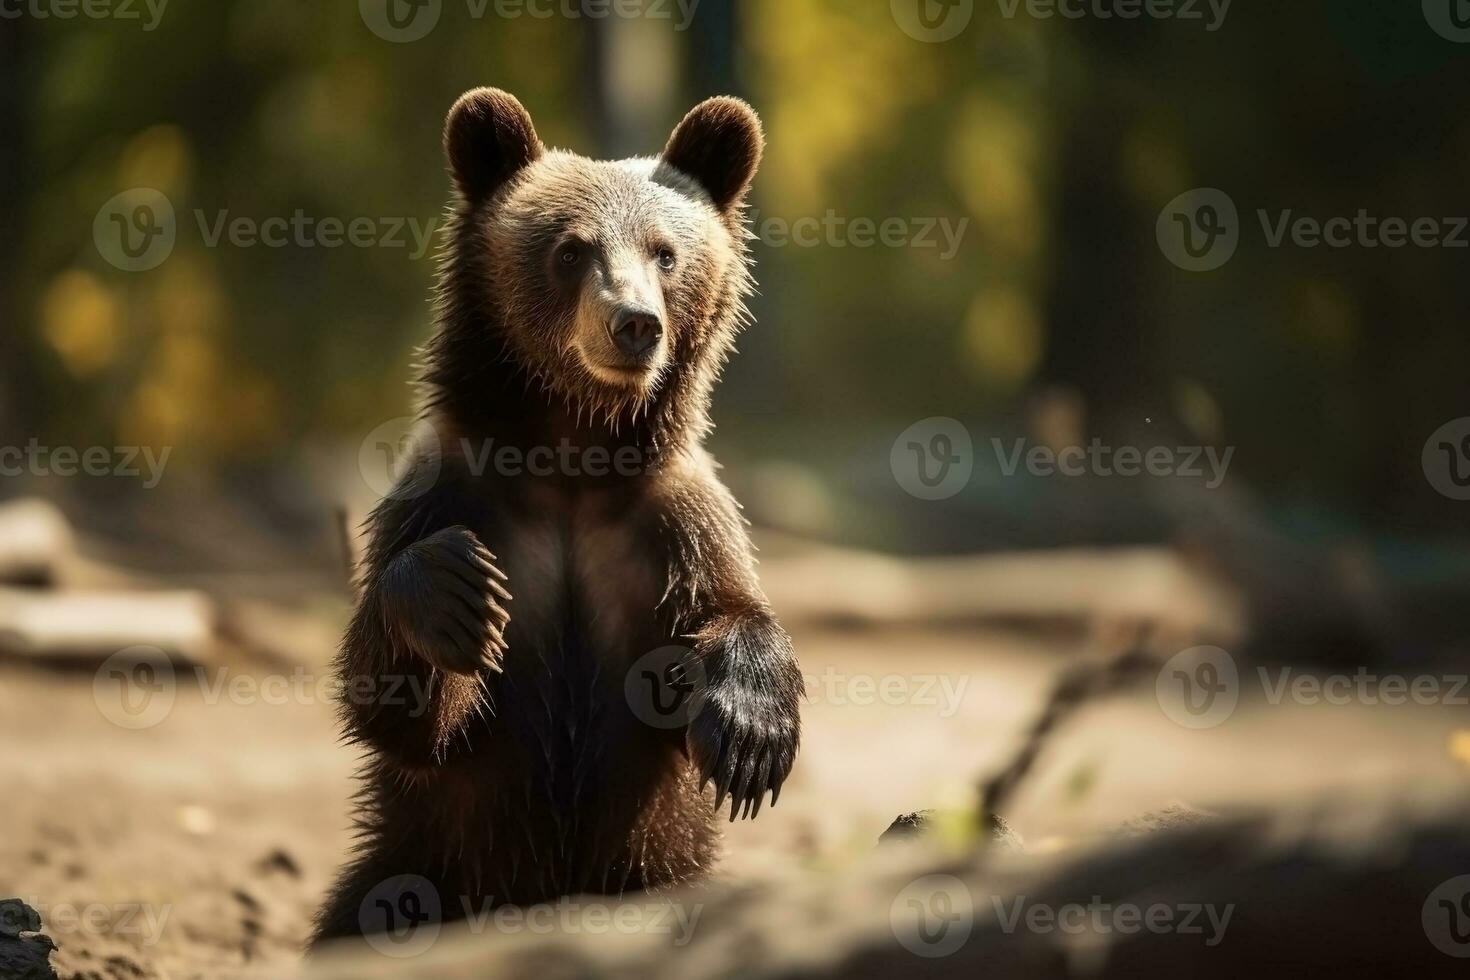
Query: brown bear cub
(585, 309)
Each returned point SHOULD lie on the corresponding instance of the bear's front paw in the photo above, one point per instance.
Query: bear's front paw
(746, 727)
(444, 597)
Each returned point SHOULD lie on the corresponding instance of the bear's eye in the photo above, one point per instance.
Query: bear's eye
(665, 258)
(570, 255)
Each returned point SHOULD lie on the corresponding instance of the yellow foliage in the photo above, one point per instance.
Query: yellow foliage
(995, 164)
(159, 157)
(830, 96)
(1199, 410)
(1460, 746)
(79, 319)
(1003, 338)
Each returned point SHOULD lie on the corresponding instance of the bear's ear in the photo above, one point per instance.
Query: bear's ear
(488, 137)
(719, 144)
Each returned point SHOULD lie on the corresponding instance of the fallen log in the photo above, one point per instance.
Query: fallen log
(91, 626)
(35, 541)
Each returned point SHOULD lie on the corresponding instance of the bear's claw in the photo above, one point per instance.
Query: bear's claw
(444, 596)
(746, 729)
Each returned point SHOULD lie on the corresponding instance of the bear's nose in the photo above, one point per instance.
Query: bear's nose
(636, 331)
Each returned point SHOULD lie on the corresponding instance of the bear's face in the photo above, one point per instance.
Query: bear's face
(614, 267)
(610, 280)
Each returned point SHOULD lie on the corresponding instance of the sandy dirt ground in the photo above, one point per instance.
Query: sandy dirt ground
(199, 846)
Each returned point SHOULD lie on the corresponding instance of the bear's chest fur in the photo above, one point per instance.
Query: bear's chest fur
(560, 763)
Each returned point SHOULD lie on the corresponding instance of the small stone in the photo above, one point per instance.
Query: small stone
(907, 826)
(910, 826)
(24, 955)
(17, 917)
(279, 861)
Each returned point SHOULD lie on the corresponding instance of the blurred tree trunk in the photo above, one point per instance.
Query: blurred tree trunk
(14, 82)
(631, 99)
(624, 115)
(603, 106)
(1104, 317)
(709, 55)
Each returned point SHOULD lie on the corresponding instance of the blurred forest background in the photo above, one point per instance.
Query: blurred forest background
(1059, 318)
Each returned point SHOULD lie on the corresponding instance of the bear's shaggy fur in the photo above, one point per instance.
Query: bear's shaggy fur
(519, 597)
